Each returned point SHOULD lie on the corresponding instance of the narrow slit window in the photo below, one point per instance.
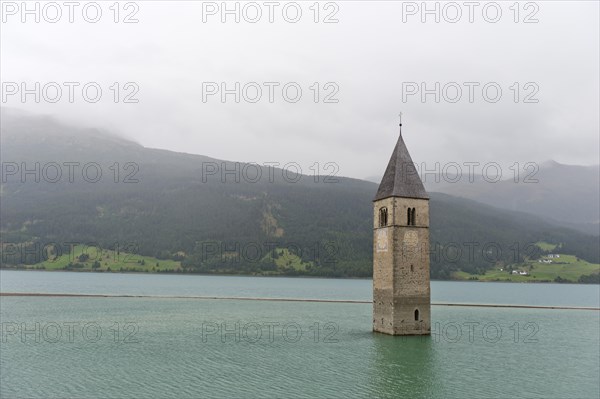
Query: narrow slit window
(416, 314)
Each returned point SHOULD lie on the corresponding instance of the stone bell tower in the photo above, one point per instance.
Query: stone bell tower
(401, 292)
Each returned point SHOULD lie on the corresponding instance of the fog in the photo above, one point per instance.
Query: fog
(187, 81)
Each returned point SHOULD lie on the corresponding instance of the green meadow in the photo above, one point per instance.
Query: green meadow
(105, 260)
(566, 268)
(93, 259)
(286, 259)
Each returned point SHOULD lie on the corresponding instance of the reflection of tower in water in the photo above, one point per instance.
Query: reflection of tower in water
(403, 367)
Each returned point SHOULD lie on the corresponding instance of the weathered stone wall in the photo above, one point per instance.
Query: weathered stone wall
(421, 207)
(383, 274)
(401, 268)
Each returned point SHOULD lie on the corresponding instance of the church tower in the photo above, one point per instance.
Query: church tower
(401, 293)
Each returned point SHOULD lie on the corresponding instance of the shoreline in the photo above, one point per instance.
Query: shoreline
(279, 276)
(67, 295)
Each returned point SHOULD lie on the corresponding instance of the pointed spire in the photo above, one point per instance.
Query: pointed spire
(401, 178)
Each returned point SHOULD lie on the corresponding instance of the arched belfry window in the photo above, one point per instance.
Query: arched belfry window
(416, 314)
(383, 217)
(410, 216)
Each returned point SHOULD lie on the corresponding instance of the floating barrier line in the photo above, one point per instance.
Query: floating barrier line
(483, 305)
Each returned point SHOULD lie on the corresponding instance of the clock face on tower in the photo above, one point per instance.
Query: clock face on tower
(382, 240)
(410, 245)
(411, 239)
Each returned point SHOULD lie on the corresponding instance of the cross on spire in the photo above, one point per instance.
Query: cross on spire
(400, 115)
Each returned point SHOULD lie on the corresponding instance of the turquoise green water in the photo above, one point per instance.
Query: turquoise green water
(156, 347)
(285, 287)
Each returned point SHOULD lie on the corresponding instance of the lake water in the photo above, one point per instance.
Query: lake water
(164, 347)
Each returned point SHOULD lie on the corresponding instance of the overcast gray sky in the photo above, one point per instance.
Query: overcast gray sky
(373, 57)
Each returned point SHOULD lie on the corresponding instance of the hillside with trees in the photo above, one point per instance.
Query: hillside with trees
(178, 207)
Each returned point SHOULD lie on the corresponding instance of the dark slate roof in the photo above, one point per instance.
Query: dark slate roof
(401, 178)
